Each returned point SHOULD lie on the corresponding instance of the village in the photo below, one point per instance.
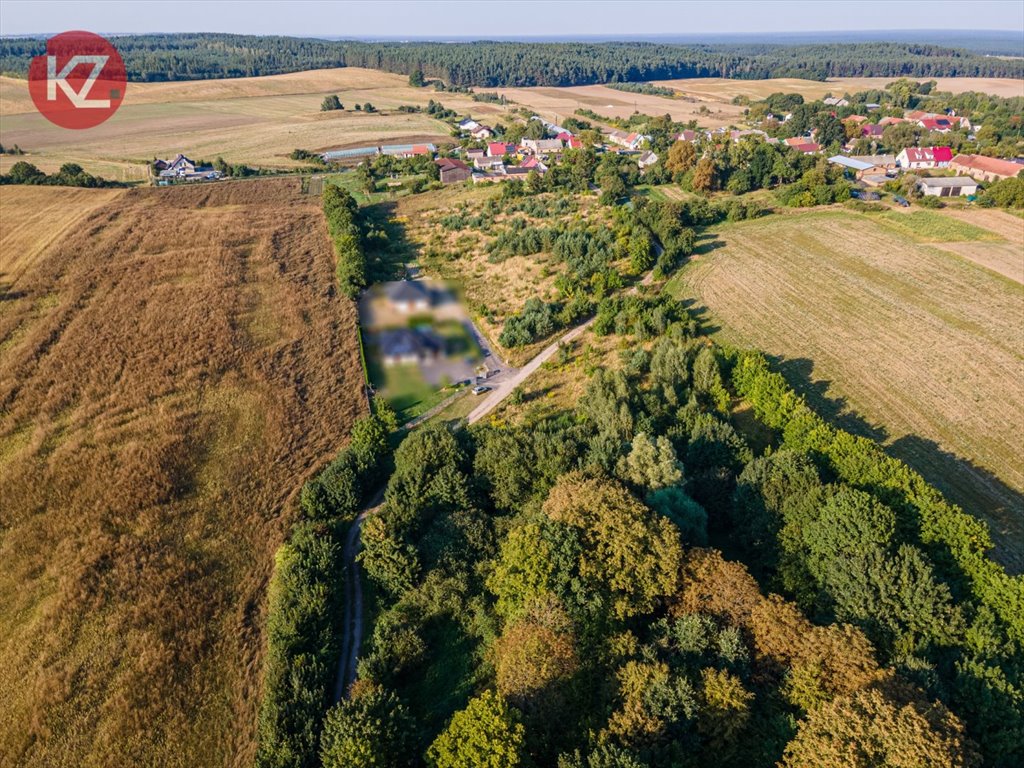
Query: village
(482, 156)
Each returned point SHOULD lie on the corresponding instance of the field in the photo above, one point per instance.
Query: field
(172, 367)
(556, 104)
(720, 89)
(895, 337)
(257, 120)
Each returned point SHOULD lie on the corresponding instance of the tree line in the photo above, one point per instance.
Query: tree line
(205, 55)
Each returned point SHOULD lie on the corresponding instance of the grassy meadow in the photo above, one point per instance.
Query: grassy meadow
(897, 337)
(171, 369)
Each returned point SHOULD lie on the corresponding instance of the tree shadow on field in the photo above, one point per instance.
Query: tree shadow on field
(799, 372)
(702, 315)
(388, 248)
(974, 489)
(707, 242)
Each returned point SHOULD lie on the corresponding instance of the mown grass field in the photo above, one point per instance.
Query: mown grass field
(893, 336)
(724, 90)
(171, 369)
(257, 120)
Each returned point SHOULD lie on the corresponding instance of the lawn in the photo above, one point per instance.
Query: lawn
(892, 337)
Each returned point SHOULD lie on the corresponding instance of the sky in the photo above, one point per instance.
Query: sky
(450, 19)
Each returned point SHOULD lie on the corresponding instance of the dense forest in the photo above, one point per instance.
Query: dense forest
(201, 56)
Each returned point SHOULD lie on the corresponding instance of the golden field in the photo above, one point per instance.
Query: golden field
(173, 365)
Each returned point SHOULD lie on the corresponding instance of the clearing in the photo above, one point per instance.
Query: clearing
(896, 338)
(172, 368)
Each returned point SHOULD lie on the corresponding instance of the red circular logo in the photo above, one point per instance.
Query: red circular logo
(79, 82)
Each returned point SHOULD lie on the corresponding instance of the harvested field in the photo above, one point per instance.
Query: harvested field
(255, 120)
(173, 368)
(721, 89)
(1006, 258)
(556, 104)
(36, 217)
(896, 339)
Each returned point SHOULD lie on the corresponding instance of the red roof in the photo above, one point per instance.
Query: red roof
(942, 154)
(421, 149)
(807, 148)
(1006, 168)
(871, 130)
(935, 124)
(564, 136)
(530, 162)
(575, 143)
(450, 164)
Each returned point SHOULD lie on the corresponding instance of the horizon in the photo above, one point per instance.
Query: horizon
(391, 20)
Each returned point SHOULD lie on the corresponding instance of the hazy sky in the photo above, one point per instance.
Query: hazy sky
(446, 19)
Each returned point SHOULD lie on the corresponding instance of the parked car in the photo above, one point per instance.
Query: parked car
(480, 390)
(901, 201)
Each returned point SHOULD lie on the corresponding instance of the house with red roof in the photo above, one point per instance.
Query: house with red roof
(453, 171)
(872, 130)
(534, 163)
(500, 149)
(916, 158)
(985, 168)
(809, 148)
(574, 143)
(937, 124)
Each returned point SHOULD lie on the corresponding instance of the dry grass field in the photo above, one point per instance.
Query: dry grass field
(720, 89)
(257, 120)
(556, 104)
(172, 368)
(1006, 257)
(898, 338)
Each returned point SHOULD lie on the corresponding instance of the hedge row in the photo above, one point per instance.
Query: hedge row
(958, 540)
(342, 215)
(306, 594)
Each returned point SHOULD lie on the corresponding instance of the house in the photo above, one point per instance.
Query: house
(409, 345)
(914, 158)
(882, 162)
(408, 296)
(795, 141)
(468, 124)
(687, 135)
(183, 169)
(564, 136)
(407, 150)
(488, 163)
(858, 119)
(647, 159)
(833, 101)
(627, 140)
(937, 124)
(948, 187)
(473, 154)
(453, 171)
(543, 146)
(574, 143)
(481, 132)
(552, 128)
(850, 164)
(500, 149)
(891, 121)
(808, 148)
(534, 163)
(985, 168)
(872, 130)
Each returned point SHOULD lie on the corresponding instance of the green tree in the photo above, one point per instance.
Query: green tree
(651, 463)
(373, 730)
(641, 251)
(416, 79)
(331, 103)
(486, 734)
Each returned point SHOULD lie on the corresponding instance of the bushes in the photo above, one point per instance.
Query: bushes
(537, 320)
(342, 224)
(306, 595)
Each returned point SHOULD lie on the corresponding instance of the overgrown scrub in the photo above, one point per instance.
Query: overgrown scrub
(342, 215)
(306, 596)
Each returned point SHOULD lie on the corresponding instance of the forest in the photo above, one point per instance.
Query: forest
(647, 579)
(489, 64)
